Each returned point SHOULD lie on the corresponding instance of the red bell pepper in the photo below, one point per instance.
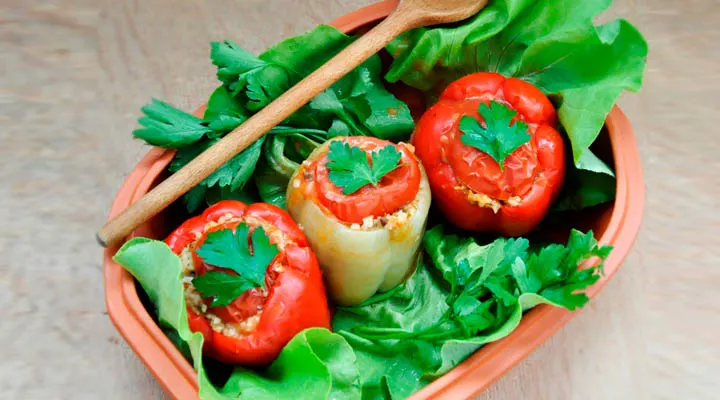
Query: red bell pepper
(295, 298)
(469, 186)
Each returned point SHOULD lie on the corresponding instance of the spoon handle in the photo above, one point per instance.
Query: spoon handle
(241, 137)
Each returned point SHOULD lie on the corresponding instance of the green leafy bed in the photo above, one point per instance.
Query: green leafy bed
(464, 296)
(464, 292)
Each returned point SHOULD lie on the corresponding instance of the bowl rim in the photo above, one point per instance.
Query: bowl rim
(477, 372)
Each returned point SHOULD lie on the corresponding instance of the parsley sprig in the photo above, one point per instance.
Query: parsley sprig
(488, 281)
(350, 169)
(232, 250)
(165, 126)
(500, 137)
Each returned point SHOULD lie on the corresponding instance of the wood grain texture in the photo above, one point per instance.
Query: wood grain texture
(74, 74)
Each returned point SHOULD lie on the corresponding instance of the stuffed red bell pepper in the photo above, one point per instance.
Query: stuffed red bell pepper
(251, 281)
(363, 204)
(494, 159)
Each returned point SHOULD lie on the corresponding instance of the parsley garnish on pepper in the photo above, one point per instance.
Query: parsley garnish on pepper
(350, 169)
(500, 137)
(231, 250)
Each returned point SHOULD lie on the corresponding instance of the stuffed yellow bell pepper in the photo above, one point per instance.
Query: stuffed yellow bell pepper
(363, 204)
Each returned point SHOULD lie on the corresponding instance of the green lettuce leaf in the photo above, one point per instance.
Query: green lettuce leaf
(395, 366)
(586, 73)
(315, 364)
(588, 184)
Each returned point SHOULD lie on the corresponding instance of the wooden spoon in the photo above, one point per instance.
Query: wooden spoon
(408, 15)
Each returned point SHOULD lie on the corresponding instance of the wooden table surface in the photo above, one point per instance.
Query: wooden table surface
(74, 74)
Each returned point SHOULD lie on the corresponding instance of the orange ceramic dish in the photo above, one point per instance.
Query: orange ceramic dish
(616, 224)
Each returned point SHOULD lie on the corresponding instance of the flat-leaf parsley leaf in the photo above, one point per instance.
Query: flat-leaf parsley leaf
(167, 127)
(231, 250)
(222, 287)
(500, 137)
(350, 169)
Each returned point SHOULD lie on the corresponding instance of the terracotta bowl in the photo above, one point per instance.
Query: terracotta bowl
(616, 224)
